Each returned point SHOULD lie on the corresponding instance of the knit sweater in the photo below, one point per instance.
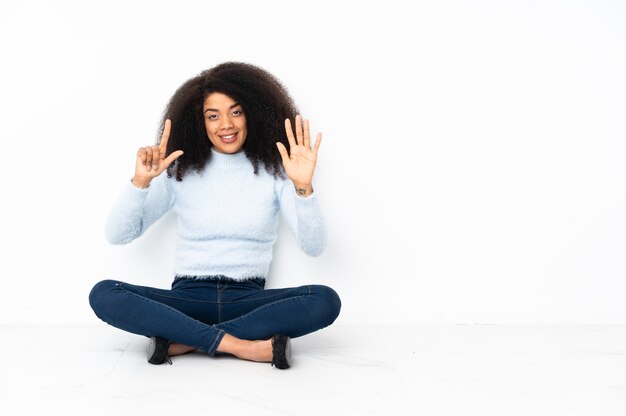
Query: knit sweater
(227, 217)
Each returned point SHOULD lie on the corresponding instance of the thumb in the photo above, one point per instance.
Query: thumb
(171, 158)
(283, 152)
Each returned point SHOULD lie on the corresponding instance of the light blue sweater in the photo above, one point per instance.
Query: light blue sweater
(227, 217)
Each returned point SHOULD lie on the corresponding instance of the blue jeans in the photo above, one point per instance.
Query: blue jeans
(198, 312)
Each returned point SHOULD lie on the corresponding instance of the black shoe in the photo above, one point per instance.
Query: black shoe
(157, 351)
(281, 351)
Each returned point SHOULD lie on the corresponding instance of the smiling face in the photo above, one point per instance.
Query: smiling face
(225, 123)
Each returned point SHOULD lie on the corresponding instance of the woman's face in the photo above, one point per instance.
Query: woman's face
(225, 123)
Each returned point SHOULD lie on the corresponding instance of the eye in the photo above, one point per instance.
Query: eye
(237, 113)
(212, 117)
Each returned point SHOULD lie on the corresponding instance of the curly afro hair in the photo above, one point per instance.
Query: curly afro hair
(265, 102)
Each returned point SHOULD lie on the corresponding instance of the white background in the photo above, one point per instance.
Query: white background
(472, 169)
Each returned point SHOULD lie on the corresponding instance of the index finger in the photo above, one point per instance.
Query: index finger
(289, 131)
(166, 135)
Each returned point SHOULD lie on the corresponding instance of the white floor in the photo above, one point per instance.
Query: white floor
(419, 370)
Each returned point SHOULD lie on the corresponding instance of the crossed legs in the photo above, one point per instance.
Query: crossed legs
(232, 317)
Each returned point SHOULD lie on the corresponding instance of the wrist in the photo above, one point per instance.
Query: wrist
(141, 183)
(303, 190)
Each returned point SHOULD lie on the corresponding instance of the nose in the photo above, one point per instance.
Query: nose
(226, 123)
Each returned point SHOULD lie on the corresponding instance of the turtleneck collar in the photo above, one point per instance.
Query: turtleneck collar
(226, 159)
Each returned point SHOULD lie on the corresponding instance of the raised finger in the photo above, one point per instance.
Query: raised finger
(289, 131)
(165, 137)
(318, 141)
(299, 137)
(307, 135)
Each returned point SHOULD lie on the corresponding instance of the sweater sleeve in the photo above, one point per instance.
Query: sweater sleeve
(304, 216)
(136, 209)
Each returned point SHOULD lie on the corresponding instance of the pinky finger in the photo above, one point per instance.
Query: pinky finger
(318, 140)
(141, 153)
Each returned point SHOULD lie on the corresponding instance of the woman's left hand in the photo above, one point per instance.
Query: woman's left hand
(300, 162)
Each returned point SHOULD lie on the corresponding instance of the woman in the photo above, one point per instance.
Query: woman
(227, 180)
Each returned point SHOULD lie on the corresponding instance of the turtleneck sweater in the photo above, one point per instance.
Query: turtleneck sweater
(227, 217)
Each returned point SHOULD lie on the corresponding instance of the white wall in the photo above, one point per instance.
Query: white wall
(472, 169)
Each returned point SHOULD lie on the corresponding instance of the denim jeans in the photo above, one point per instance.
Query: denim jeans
(199, 311)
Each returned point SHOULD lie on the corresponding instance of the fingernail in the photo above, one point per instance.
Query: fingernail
(155, 167)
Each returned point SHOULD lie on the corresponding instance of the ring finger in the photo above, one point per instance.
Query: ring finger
(148, 160)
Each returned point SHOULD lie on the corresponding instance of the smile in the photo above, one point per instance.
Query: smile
(228, 139)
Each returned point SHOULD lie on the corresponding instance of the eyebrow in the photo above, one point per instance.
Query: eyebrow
(217, 111)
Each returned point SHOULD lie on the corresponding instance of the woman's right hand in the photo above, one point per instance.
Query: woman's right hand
(151, 160)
